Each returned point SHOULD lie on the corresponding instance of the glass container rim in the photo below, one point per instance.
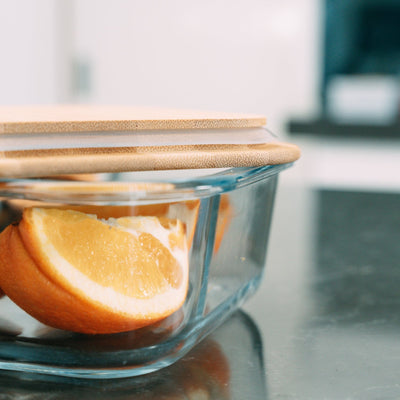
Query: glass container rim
(118, 192)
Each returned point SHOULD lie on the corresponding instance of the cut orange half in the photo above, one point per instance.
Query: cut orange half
(72, 271)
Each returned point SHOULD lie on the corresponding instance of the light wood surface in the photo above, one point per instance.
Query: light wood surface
(71, 161)
(88, 118)
(65, 161)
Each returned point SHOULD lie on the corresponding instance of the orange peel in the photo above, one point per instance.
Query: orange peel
(72, 271)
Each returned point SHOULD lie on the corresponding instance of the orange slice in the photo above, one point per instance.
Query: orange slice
(73, 271)
(186, 211)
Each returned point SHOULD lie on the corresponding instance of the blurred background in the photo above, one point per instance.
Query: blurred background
(325, 73)
(256, 56)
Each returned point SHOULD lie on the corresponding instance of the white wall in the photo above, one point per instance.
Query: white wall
(27, 52)
(258, 56)
(243, 55)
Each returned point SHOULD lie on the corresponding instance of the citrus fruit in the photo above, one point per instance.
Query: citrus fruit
(73, 271)
(225, 214)
(186, 211)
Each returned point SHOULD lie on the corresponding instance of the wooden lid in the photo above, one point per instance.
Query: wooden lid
(86, 118)
(44, 123)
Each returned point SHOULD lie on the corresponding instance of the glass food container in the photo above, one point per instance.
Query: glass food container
(127, 234)
(223, 366)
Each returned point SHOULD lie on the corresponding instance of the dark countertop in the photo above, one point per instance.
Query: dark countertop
(324, 324)
(329, 308)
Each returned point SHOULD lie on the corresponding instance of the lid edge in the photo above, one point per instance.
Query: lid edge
(95, 118)
(26, 164)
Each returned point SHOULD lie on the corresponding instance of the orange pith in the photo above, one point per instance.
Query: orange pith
(75, 272)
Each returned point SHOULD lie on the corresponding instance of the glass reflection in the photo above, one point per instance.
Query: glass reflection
(226, 365)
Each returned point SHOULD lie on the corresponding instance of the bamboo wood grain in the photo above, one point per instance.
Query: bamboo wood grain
(89, 118)
(34, 163)
(77, 118)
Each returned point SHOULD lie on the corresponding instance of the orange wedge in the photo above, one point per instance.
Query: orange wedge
(73, 271)
(186, 211)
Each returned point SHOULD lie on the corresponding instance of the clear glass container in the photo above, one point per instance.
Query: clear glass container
(228, 364)
(226, 214)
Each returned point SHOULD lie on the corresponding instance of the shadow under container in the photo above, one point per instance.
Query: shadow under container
(226, 213)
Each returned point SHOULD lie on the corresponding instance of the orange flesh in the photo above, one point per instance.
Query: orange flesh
(136, 266)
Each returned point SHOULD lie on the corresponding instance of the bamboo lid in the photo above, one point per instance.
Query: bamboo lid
(182, 146)
(86, 118)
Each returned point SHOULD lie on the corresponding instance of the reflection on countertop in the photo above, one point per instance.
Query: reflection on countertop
(329, 305)
(226, 365)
